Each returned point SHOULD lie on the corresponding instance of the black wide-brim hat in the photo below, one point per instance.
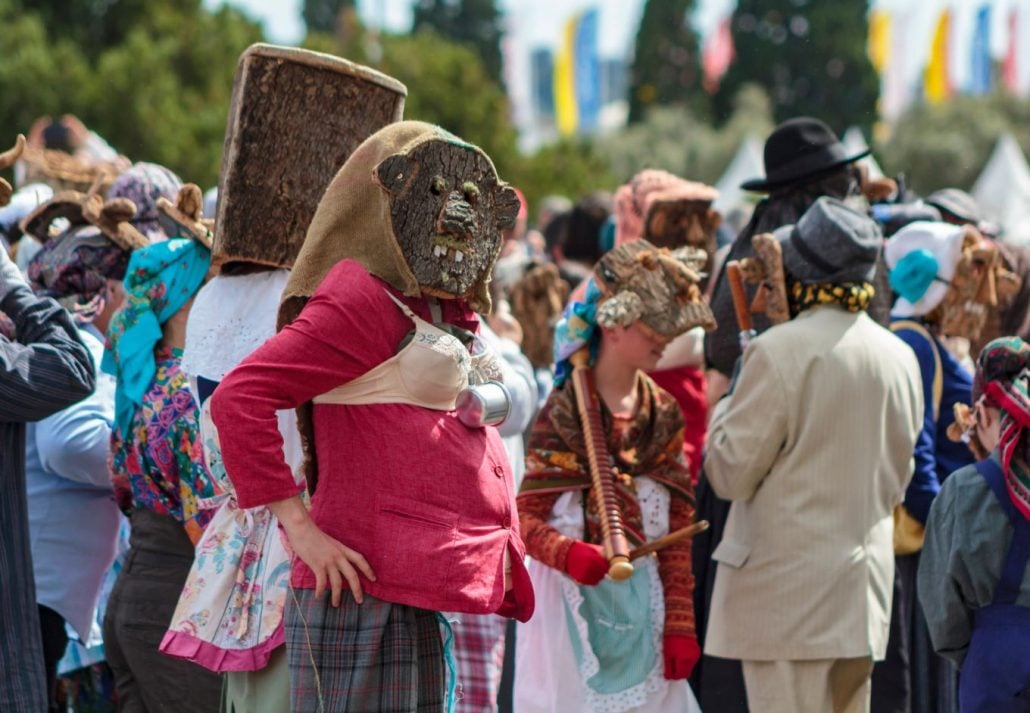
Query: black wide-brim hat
(799, 150)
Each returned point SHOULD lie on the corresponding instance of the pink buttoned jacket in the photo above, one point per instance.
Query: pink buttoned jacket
(427, 500)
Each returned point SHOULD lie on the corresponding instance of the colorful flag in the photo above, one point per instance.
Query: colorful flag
(1010, 65)
(587, 71)
(898, 81)
(565, 113)
(936, 83)
(717, 55)
(980, 83)
(542, 68)
(879, 41)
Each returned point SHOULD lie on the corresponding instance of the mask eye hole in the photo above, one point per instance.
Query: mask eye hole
(471, 191)
(438, 185)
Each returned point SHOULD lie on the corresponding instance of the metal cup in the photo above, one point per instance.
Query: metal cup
(484, 405)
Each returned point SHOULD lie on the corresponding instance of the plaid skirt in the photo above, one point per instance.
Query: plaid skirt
(374, 657)
(479, 654)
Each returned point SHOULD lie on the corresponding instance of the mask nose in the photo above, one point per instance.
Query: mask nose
(457, 218)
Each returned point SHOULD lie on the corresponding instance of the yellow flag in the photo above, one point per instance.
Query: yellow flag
(936, 85)
(566, 114)
(879, 41)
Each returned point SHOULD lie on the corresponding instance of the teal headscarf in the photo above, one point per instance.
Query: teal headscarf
(160, 279)
(576, 329)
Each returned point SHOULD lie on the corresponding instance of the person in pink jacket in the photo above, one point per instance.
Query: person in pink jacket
(412, 509)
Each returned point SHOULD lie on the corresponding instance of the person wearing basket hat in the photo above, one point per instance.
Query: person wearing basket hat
(974, 583)
(813, 448)
(232, 315)
(412, 507)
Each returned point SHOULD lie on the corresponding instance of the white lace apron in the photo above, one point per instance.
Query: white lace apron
(556, 669)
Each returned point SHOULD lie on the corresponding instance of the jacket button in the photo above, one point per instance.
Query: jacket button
(506, 523)
(499, 471)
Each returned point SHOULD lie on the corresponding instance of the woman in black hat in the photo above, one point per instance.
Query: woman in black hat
(804, 160)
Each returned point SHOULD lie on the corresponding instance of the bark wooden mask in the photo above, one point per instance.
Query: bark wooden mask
(765, 270)
(537, 301)
(676, 222)
(448, 209)
(978, 281)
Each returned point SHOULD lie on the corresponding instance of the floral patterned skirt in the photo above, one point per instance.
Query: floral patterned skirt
(230, 614)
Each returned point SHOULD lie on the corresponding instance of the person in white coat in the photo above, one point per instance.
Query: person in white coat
(814, 448)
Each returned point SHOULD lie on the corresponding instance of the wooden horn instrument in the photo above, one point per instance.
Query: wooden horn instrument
(602, 469)
(684, 533)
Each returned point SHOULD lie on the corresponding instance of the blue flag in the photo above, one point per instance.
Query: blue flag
(587, 71)
(980, 82)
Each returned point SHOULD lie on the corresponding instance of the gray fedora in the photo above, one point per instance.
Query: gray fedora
(830, 243)
(956, 202)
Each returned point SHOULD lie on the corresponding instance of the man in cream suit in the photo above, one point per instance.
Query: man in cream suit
(814, 448)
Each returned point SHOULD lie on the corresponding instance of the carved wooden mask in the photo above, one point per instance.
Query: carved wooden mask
(448, 209)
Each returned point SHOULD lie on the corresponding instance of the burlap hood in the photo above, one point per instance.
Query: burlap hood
(353, 222)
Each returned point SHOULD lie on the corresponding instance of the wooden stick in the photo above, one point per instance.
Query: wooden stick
(602, 469)
(740, 303)
(672, 538)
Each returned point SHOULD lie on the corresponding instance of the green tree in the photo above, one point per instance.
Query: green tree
(95, 25)
(161, 93)
(947, 145)
(448, 85)
(809, 56)
(666, 67)
(674, 139)
(473, 22)
(324, 15)
(571, 167)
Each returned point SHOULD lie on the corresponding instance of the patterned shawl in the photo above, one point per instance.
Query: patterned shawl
(74, 268)
(650, 444)
(1003, 378)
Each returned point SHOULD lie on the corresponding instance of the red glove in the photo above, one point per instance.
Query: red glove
(586, 563)
(681, 656)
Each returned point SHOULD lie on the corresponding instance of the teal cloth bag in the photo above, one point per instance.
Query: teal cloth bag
(619, 631)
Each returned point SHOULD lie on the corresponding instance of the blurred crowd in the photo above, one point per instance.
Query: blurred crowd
(838, 386)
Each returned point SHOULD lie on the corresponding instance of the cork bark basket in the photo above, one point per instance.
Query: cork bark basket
(295, 118)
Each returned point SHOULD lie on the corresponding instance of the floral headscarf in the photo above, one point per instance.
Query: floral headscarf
(576, 329)
(1003, 379)
(74, 267)
(143, 184)
(161, 278)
